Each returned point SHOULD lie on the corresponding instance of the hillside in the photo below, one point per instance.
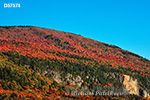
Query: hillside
(47, 62)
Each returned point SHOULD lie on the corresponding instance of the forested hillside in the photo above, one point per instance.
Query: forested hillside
(44, 63)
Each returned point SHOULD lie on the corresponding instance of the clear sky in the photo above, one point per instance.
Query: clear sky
(124, 23)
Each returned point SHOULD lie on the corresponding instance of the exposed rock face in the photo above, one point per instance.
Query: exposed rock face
(74, 80)
(69, 77)
(131, 85)
(56, 76)
(145, 94)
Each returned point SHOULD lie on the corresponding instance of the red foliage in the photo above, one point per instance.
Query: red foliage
(51, 44)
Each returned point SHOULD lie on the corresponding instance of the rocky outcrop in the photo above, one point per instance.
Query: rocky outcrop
(131, 85)
(73, 80)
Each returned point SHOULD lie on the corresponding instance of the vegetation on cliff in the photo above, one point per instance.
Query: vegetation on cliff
(27, 53)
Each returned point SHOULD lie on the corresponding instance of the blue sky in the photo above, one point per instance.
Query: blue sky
(124, 23)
